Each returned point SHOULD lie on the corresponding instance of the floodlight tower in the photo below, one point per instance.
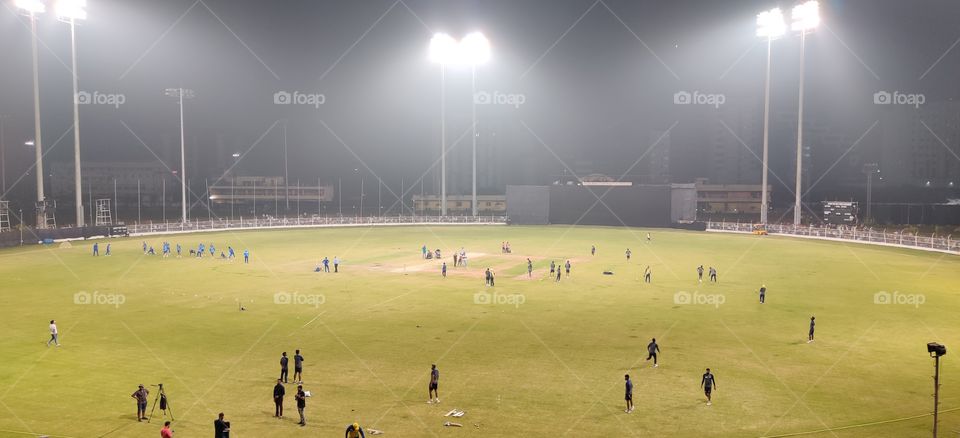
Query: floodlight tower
(474, 49)
(69, 11)
(443, 51)
(936, 351)
(180, 94)
(32, 8)
(806, 17)
(770, 25)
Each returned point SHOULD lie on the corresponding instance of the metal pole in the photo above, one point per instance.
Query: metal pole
(936, 395)
(298, 201)
(361, 195)
(164, 200)
(286, 174)
(276, 199)
(3, 160)
(76, 124)
(379, 199)
(402, 205)
(869, 196)
(340, 196)
(443, 143)
(473, 106)
(116, 208)
(764, 205)
(138, 201)
(233, 197)
(207, 183)
(183, 165)
(798, 194)
(41, 212)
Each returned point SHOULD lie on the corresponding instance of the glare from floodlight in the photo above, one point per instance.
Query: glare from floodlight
(236, 155)
(443, 49)
(770, 24)
(30, 143)
(806, 16)
(31, 6)
(71, 9)
(474, 49)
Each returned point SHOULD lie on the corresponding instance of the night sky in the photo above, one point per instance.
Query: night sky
(597, 81)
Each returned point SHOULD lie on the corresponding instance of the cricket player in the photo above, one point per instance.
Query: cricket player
(763, 293)
(700, 274)
(813, 322)
(96, 249)
(652, 350)
(443, 270)
(708, 383)
(529, 268)
(354, 431)
(628, 253)
(567, 267)
(647, 274)
(433, 394)
(297, 367)
(713, 275)
(54, 334)
(628, 396)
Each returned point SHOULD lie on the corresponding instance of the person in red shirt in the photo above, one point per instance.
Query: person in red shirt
(166, 432)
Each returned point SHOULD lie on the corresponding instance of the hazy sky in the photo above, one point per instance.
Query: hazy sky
(595, 79)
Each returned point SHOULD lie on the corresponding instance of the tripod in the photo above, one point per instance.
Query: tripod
(164, 404)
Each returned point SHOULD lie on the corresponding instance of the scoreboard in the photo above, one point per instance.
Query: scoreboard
(840, 213)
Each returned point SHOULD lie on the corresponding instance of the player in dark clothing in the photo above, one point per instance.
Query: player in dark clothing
(567, 267)
(221, 428)
(486, 277)
(652, 350)
(553, 267)
(558, 275)
(443, 270)
(763, 293)
(700, 274)
(529, 269)
(593, 250)
(433, 395)
(297, 367)
(647, 274)
(278, 392)
(708, 383)
(628, 396)
(813, 322)
(301, 398)
(283, 367)
(713, 274)
(628, 253)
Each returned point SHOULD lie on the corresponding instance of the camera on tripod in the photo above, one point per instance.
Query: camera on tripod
(164, 403)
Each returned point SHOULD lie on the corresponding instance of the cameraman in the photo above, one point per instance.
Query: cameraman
(140, 395)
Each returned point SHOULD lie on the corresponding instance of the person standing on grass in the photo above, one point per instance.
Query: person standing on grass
(140, 395)
(593, 250)
(433, 394)
(713, 275)
(486, 277)
(708, 383)
(336, 264)
(553, 267)
(221, 428)
(558, 274)
(813, 323)
(301, 398)
(763, 293)
(283, 367)
(628, 253)
(179, 250)
(54, 334)
(423, 252)
(529, 268)
(297, 367)
(246, 256)
(108, 250)
(326, 264)
(96, 249)
(652, 350)
(567, 266)
(166, 432)
(647, 274)
(278, 392)
(700, 274)
(455, 260)
(628, 396)
(443, 270)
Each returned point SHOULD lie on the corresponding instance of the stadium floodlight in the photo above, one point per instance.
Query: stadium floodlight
(474, 49)
(31, 6)
(806, 16)
(180, 94)
(770, 25)
(443, 49)
(69, 11)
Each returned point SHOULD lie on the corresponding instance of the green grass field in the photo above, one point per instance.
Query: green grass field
(550, 366)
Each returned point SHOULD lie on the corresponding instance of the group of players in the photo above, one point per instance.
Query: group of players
(166, 251)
